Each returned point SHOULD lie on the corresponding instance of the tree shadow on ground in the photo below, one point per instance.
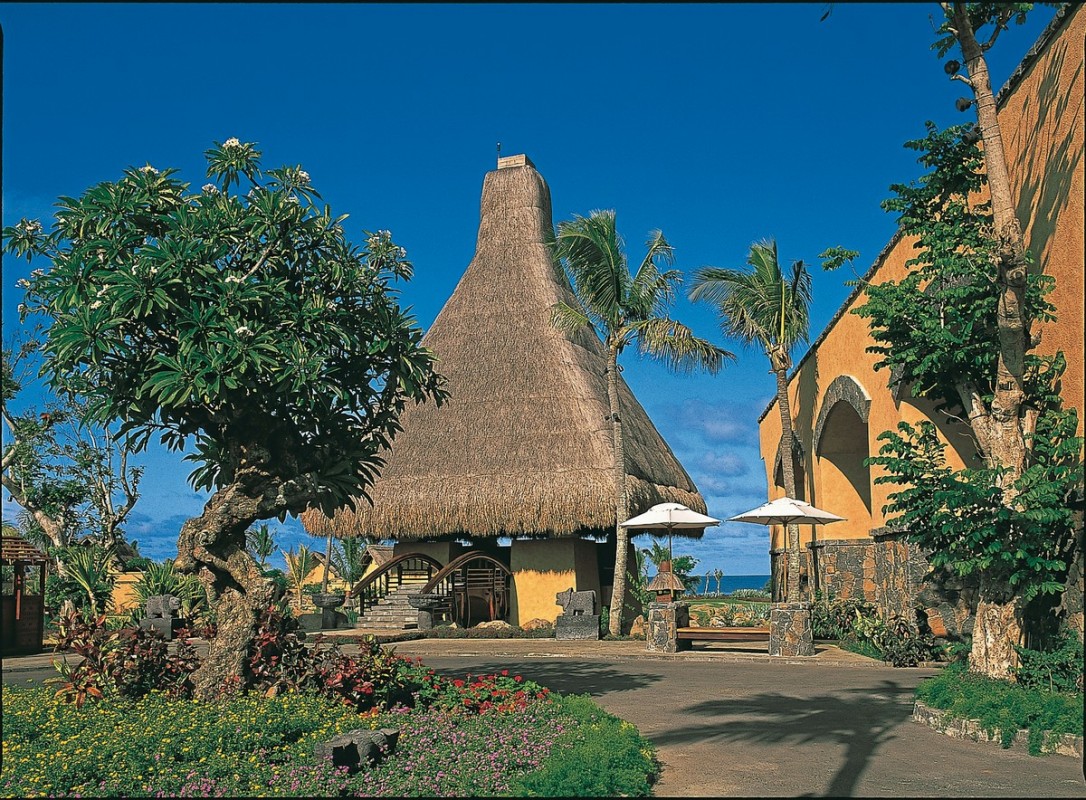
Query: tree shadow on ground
(861, 720)
(569, 676)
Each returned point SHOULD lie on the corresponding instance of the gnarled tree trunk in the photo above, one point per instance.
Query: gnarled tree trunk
(213, 547)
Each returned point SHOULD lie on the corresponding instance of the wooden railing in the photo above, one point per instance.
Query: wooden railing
(471, 587)
(408, 569)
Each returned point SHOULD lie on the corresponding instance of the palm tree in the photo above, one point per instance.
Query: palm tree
(763, 307)
(261, 544)
(718, 574)
(625, 309)
(299, 565)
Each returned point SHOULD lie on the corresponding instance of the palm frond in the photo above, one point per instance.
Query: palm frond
(591, 250)
(677, 346)
(758, 305)
(569, 319)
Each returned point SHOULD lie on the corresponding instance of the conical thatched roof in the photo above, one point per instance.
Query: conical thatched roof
(523, 445)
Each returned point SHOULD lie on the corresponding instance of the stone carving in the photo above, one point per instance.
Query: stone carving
(358, 748)
(575, 603)
(160, 610)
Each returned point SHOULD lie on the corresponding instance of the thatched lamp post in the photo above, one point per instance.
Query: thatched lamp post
(666, 584)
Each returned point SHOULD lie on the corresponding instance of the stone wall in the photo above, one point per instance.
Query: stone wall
(844, 567)
(895, 575)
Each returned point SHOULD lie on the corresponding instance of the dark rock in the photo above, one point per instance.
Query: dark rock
(358, 748)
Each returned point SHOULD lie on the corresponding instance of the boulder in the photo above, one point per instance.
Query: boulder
(536, 624)
(497, 624)
(637, 627)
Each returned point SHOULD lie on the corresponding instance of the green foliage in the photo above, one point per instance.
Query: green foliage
(833, 618)
(961, 517)
(937, 327)
(982, 15)
(601, 756)
(1003, 706)
(59, 589)
(348, 557)
(93, 570)
(57, 464)
(1057, 669)
(682, 566)
(263, 746)
(857, 625)
(245, 320)
(299, 565)
(125, 662)
(163, 578)
(627, 308)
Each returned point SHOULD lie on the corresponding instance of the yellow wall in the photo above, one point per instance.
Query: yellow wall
(1042, 127)
(124, 594)
(543, 567)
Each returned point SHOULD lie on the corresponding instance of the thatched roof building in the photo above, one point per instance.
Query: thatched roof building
(523, 446)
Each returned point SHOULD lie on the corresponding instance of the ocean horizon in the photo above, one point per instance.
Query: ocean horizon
(729, 583)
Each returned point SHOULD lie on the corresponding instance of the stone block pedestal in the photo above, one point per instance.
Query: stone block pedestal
(661, 634)
(577, 626)
(790, 630)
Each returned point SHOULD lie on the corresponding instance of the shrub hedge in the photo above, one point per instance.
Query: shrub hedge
(1002, 706)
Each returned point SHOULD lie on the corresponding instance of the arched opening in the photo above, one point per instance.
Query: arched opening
(845, 479)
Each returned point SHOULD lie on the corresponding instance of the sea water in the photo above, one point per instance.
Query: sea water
(729, 583)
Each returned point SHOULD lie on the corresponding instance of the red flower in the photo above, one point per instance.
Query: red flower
(518, 679)
(505, 672)
(458, 683)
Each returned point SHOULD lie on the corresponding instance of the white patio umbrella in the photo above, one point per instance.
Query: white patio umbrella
(669, 517)
(786, 511)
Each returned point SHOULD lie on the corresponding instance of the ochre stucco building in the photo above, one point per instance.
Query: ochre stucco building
(841, 405)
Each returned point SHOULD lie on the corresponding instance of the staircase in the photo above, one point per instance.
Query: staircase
(392, 612)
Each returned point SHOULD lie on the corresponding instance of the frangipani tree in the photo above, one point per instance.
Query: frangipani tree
(238, 322)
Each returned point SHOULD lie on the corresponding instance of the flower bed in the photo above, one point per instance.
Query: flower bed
(485, 735)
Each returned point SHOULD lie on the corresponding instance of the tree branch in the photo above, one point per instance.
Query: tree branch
(959, 77)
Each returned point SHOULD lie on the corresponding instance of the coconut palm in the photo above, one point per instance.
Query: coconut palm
(625, 309)
(718, 574)
(261, 543)
(763, 307)
(299, 565)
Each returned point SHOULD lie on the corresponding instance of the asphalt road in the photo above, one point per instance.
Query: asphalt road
(724, 726)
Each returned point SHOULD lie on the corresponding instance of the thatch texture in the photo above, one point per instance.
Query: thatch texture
(523, 445)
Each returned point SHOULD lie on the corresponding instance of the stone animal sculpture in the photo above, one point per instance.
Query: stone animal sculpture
(160, 610)
(574, 603)
(162, 605)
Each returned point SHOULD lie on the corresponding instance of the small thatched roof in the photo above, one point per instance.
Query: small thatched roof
(523, 446)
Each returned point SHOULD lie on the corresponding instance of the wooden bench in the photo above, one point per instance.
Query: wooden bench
(738, 634)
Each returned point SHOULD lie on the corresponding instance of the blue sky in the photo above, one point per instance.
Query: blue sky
(719, 124)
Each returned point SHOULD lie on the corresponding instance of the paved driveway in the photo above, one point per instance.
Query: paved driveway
(730, 723)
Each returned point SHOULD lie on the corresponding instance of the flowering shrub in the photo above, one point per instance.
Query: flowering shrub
(130, 662)
(483, 694)
(375, 677)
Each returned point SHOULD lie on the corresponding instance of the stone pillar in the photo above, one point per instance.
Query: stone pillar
(790, 630)
(662, 627)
